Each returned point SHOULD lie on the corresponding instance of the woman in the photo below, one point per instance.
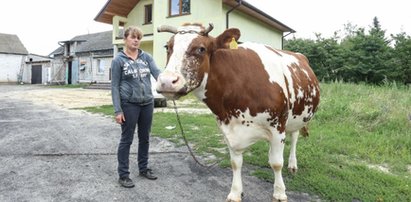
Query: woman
(133, 102)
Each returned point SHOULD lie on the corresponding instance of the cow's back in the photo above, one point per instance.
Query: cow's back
(291, 71)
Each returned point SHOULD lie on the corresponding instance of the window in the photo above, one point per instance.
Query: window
(100, 66)
(179, 7)
(82, 65)
(148, 18)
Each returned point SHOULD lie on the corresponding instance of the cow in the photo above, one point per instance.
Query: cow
(256, 92)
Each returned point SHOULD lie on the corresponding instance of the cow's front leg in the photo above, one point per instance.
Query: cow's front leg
(237, 185)
(276, 162)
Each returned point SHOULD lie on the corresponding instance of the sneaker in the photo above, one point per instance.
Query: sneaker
(126, 182)
(148, 173)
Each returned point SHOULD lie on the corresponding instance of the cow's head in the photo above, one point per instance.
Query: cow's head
(188, 57)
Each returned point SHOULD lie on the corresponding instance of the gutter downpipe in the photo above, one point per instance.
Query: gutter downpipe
(231, 10)
(282, 40)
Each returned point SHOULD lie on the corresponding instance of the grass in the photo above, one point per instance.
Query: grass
(359, 148)
(104, 109)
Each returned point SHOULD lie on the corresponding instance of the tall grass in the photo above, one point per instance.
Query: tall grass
(359, 148)
(375, 121)
(360, 145)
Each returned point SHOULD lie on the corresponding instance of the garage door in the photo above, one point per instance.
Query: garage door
(36, 74)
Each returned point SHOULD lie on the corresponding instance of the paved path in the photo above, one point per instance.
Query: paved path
(50, 153)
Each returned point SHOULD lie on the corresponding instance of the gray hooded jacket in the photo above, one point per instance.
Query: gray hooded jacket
(131, 79)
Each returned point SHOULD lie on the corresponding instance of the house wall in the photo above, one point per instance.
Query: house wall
(212, 11)
(58, 71)
(89, 68)
(137, 17)
(201, 12)
(10, 67)
(147, 46)
(45, 72)
(105, 64)
(253, 30)
(85, 68)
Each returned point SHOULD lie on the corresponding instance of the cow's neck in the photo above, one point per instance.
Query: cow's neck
(200, 91)
(217, 82)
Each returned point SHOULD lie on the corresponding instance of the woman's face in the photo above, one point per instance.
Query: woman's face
(132, 41)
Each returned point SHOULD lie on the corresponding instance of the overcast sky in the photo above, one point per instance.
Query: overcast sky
(40, 24)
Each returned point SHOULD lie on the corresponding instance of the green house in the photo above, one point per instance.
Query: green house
(254, 24)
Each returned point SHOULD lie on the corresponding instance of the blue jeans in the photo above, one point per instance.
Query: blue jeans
(142, 117)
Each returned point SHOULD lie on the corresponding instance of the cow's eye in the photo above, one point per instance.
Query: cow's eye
(166, 47)
(201, 50)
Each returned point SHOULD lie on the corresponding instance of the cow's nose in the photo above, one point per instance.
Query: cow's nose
(169, 82)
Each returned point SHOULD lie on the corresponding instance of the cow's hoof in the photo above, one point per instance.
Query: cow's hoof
(280, 198)
(292, 170)
(232, 198)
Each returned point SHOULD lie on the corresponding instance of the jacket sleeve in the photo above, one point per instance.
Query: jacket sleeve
(155, 71)
(115, 85)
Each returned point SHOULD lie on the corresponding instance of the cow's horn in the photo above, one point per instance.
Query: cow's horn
(167, 28)
(209, 28)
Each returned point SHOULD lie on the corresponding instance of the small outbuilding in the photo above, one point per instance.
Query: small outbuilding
(83, 59)
(13, 56)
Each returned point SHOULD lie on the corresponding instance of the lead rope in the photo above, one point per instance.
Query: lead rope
(185, 139)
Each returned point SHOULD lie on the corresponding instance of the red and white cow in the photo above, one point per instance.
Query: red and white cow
(255, 91)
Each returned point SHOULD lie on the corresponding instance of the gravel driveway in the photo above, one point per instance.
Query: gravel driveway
(52, 152)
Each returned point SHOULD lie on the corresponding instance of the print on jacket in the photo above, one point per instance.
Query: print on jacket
(137, 69)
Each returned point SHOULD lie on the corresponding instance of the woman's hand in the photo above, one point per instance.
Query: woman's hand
(120, 118)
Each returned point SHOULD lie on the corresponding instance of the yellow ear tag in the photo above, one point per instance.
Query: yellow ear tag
(233, 44)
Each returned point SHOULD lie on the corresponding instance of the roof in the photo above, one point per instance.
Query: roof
(115, 7)
(34, 58)
(89, 42)
(123, 8)
(259, 14)
(11, 44)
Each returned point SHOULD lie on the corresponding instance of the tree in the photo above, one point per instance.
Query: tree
(370, 59)
(325, 55)
(185, 7)
(358, 56)
(401, 58)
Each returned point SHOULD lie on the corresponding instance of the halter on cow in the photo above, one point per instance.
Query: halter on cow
(255, 91)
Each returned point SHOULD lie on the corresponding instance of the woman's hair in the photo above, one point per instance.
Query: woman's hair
(133, 30)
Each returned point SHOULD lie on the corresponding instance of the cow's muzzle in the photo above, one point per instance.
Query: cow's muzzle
(171, 85)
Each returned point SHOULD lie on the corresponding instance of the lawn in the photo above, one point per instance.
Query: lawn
(359, 148)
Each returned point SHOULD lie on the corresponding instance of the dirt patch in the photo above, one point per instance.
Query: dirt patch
(383, 168)
(68, 98)
(71, 98)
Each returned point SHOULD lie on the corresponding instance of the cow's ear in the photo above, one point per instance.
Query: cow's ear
(224, 39)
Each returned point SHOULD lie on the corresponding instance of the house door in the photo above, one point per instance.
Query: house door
(36, 74)
(69, 73)
(74, 72)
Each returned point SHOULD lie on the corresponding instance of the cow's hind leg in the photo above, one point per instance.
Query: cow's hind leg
(292, 160)
(237, 185)
(276, 162)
